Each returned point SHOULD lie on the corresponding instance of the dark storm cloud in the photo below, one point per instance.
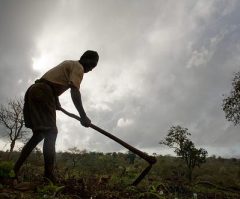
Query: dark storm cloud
(161, 63)
(184, 82)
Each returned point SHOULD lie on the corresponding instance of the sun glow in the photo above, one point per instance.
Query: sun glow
(43, 62)
(38, 63)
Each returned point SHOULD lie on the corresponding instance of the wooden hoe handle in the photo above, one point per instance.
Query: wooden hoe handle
(150, 159)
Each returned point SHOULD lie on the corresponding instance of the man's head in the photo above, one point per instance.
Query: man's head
(89, 60)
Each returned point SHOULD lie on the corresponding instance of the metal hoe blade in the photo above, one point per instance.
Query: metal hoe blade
(142, 175)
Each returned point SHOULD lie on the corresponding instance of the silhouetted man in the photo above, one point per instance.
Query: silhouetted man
(41, 102)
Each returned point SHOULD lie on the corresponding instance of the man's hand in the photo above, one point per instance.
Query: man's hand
(85, 121)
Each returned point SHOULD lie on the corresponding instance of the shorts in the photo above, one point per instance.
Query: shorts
(40, 108)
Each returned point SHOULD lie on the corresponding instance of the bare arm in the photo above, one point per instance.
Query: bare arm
(77, 101)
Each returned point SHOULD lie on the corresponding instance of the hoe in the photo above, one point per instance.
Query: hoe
(150, 159)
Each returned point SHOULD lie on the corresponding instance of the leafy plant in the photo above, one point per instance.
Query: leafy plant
(50, 190)
(152, 192)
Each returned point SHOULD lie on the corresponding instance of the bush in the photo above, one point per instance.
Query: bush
(6, 169)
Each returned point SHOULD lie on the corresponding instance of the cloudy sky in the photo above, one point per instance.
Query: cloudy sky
(162, 63)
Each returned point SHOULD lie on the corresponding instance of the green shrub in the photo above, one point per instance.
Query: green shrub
(6, 169)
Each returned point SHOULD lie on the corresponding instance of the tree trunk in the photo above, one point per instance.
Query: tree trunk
(190, 174)
(11, 148)
(74, 162)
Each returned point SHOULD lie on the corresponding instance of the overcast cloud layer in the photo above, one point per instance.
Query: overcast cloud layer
(162, 63)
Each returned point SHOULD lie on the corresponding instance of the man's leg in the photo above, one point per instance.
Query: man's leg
(27, 149)
(49, 153)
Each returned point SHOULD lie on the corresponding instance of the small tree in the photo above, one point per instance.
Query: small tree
(75, 154)
(177, 138)
(11, 118)
(231, 104)
(131, 157)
